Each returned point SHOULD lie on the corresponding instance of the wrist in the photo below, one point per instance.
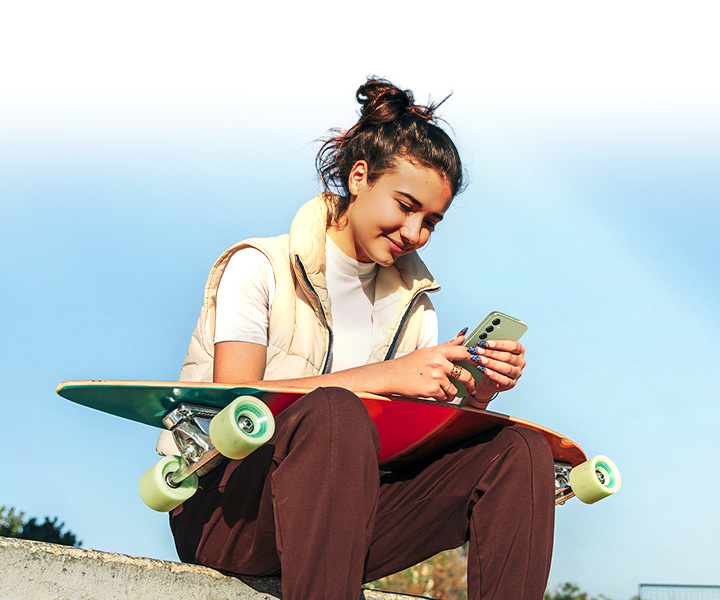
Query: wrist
(478, 402)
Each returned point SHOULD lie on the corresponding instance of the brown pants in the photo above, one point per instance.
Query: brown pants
(310, 504)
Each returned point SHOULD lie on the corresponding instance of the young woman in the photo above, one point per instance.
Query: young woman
(340, 304)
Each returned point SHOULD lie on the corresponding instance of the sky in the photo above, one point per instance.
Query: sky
(139, 140)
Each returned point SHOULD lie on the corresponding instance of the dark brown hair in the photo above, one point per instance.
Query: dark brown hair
(391, 126)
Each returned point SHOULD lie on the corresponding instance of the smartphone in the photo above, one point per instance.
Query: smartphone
(496, 326)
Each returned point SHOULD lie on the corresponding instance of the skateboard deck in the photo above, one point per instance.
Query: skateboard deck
(410, 430)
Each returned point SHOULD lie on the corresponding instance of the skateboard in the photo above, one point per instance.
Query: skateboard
(209, 419)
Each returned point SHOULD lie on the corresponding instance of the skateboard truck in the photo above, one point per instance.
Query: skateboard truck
(190, 428)
(563, 491)
(202, 434)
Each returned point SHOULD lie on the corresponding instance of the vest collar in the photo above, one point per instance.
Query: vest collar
(396, 289)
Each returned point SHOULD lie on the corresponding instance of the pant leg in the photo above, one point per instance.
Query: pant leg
(497, 491)
(302, 504)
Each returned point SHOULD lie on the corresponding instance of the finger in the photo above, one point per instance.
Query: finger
(503, 362)
(456, 342)
(510, 346)
(509, 369)
(498, 355)
(447, 392)
(504, 381)
(454, 352)
(458, 373)
(461, 335)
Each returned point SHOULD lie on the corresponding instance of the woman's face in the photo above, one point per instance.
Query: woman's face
(393, 216)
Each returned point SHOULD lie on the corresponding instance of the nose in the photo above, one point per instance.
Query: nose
(410, 231)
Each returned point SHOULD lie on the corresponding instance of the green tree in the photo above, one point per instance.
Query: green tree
(48, 531)
(12, 524)
(570, 591)
(566, 591)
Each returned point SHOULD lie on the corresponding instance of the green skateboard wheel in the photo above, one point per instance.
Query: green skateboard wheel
(157, 493)
(595, 479)
(242, 426)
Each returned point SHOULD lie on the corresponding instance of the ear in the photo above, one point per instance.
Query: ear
(358, 177)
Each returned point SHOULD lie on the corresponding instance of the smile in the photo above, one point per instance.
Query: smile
(395, 247)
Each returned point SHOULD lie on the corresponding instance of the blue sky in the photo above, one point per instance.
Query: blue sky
(133, 151)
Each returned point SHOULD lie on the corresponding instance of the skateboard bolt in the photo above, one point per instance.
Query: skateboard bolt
(246, 424)
(601, 476)
(190, 451)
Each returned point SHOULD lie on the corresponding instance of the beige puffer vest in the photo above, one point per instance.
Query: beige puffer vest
(300, 337)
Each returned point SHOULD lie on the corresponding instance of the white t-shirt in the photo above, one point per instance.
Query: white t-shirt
(247, 288)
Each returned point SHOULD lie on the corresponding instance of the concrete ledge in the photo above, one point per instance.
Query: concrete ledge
(50, 572)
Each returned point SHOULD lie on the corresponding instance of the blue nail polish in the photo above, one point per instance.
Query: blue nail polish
(475, 358)
(483, 344)
(472, 350)
(463, 332)
(481, 368)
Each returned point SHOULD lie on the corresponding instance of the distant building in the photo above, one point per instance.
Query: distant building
(647, 591)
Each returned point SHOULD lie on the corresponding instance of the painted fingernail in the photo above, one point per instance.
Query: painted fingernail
(483, 343)
(481, 368)
(474, 350)
(463, 331)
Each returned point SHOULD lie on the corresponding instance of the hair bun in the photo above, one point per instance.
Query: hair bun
(383, 102)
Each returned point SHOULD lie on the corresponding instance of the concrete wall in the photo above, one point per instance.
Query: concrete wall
(39, 571)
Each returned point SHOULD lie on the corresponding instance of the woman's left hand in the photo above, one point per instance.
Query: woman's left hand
(503, 362)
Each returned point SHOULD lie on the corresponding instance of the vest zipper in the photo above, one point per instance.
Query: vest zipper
(393, 344)
(322, 312)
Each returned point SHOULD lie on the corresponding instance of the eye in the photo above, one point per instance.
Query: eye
(430, 225)
(406, 208)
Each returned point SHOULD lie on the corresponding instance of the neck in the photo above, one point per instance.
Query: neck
(341, 237)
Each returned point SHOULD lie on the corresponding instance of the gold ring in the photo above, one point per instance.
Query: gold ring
(445, 388)
(455, 373)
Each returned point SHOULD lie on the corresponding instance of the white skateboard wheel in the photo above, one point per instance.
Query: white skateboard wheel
(157, 493)
(242, 426)
(595, 479)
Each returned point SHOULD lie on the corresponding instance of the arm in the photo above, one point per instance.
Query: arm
(423, 373)
(419, 374)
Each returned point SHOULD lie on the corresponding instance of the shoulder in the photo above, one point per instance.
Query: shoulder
(251, 252)
(274, 248)
(247, 263)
